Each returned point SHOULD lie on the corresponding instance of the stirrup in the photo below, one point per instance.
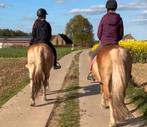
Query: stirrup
(90, 76)
(57, 66)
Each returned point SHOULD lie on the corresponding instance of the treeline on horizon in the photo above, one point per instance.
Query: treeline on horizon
(8, 33)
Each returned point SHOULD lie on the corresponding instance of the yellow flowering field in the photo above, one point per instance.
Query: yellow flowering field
(135, 46)
(138, 49)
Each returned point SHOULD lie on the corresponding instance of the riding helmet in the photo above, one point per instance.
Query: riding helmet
(111, 5)
(41, 12)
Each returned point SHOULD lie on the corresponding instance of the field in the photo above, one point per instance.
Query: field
(13, 74)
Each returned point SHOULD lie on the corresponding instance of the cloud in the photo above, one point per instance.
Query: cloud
(60, 1)
(133, 6)
(98, 9)
(142, 18)
(140, 21)
(93, 10)
(2, 5)
(144, 14)
(28, 18)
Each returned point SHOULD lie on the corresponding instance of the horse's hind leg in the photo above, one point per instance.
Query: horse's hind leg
(45, 85)
(33, 101)
(44, 92)
(33, 97)
(31, 73)
(104, 101)
(107, 98)
(105, 92)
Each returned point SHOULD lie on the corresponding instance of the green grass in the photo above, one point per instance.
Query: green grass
(62, 52)
(22, 52)
(13, 52)
(70, 117)
(139, 98)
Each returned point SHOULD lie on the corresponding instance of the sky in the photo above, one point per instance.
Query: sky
(21, 14)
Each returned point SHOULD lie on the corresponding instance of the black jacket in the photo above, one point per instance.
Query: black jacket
(41, 32)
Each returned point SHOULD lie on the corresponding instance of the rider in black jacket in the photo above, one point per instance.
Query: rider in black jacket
(42, 32)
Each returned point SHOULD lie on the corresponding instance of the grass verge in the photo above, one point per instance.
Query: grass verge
(70, 117)
(22, 52)
(139, 98)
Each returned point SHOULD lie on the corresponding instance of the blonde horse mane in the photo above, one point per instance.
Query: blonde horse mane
(39, 62)
(114, 71)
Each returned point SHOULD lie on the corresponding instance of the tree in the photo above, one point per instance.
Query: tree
(5, 33)
(80, 30)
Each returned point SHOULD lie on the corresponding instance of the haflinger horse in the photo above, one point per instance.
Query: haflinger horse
(112, 68)
(40, 60)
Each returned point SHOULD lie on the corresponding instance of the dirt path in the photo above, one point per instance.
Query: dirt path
(92, 115)
(17, 112)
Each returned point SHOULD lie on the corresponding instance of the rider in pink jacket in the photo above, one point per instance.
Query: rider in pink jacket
(110, 30)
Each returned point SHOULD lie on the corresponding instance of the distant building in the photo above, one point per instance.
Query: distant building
(128, 37)
(14, 42)
(57, 40)
(61, 40)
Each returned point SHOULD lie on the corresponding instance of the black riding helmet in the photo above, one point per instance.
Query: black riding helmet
(41, 12)
(111, 5)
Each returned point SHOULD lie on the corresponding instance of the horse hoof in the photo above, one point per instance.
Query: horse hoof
(44, 99)
(32, 104)
(112, 124)
(48, 88)
(105, 106)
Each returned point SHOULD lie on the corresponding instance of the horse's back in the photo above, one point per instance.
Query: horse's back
(109, 57)
(38, 53)
(39, 48)
(113, 52)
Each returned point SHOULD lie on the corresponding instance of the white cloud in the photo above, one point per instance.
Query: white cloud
(142, 18)
(2, 5)
(97, 9)
(133, 6)
(28, 18)
(60, 1)
(93, 10)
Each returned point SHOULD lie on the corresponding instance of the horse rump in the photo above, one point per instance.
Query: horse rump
(39, 62)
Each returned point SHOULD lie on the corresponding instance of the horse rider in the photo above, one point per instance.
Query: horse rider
(42, 32)
(110, 30)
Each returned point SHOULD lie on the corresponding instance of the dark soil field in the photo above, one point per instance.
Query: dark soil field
(139, 73)
(13, 77)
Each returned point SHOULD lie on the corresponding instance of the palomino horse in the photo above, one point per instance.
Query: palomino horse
(39, 63)
(113, 69)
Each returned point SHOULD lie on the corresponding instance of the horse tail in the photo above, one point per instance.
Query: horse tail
(120, 78)
(38, 74)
